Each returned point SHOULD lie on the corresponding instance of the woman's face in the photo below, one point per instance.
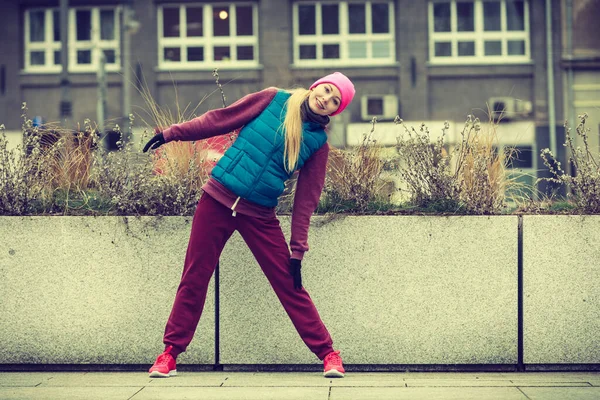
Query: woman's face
(324, 99)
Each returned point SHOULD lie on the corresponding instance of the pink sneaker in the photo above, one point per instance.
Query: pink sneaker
(164, 366)
(333, 365)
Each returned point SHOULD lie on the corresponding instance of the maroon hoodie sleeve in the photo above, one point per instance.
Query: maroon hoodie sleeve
(308, 192)
(222, 120)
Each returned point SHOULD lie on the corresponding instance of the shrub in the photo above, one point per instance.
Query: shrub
(472, 178)
(353, 179)
(584, 182)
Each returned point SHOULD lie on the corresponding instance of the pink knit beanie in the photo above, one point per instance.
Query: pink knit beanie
(343, 84)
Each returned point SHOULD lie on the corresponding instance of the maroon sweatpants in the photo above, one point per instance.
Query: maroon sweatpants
(212, 226)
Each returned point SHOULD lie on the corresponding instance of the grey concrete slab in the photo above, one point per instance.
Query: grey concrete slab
(399, 290)
(561, 305)
(562, 393)
(98, 379)
(192, 379)
(24, 379)
(74, 393)
(487, 383)
(270, 379)
(229, 393)
(83, 290)
(383, 393)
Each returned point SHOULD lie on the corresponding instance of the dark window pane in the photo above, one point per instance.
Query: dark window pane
(357, 18)
(375, 106)
(84, 56)
(331, 51)
(57, 60)
(84, 24)
(308, 51)
(493, 48)
(193, 18)
(222, 53)
(107, 25)
(466, 17)
(56, 26)
(195, 53)
(110, 56)
(516, 47)
(172, 54)
(380, 18)
(441, 17)
(306, 20)
(466, 48)
(520, 157)
(491, 16)
(221, 21)
(515, 15)
(38, 58)
(37, 26)
(443, 49)
(245, 52)
(171, 22)
(330, 19)
(244, 22)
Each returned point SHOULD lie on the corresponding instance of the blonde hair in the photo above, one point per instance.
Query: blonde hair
(292, 128)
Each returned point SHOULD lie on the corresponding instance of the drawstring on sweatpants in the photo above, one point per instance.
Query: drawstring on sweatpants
(233, 206)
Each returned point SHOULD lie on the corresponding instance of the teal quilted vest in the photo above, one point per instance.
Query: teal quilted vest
(252, 168)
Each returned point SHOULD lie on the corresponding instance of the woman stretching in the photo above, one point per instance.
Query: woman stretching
(283, 131)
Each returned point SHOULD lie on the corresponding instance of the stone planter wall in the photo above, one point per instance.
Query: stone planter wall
(403, 290)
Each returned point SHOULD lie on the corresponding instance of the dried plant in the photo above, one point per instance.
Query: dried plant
(472, 178)
(353, 176)
(584, 183)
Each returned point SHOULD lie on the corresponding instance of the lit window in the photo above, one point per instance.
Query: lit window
(93, 31)
(348, 33)
(479, 31)
(192, 36)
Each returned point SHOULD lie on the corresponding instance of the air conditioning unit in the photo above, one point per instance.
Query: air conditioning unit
(384, 107)
(509, 108)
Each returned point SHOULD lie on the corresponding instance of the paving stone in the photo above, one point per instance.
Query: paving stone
(233, 393)
(23, 379)
(561, 393)
(98, 379)
(381, 393)
(268, 379)
(73, 393)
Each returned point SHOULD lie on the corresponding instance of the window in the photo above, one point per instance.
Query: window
(192, 36)
(42, 40)
(479, 31)
(92, 32)
(346, 33)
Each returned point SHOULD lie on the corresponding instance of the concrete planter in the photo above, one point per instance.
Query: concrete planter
(403, 290)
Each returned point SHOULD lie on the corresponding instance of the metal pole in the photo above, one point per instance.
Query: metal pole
(101, 102)
(571, 117)
(65, 84)
(550, 78)
(126, 84)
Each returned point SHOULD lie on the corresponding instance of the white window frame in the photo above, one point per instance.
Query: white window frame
(208, 41)
(479, 36)
(50, 46)
(95, 44)
(344, 37)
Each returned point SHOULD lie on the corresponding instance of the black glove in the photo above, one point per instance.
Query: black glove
(295, 266)
(156, 141)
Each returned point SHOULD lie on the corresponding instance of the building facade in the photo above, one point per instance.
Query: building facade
(426, 61)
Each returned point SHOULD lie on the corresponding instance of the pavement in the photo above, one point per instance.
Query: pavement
(225, 385)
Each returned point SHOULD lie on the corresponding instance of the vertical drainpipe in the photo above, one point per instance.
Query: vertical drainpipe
(550, 78)
(126, 57)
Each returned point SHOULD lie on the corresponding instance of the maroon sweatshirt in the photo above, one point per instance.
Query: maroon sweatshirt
(310, 179)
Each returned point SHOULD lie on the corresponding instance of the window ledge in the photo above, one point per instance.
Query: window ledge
(451, 70)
